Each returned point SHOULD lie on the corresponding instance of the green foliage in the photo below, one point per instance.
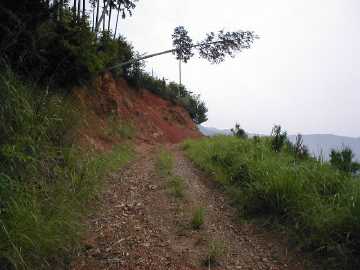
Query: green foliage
(56, 53)
(173, 92)
(61, 53)
(238, 132)
(198, 218)
(214, 48)
(164, 163)
(298, 148)
(279, 138)
(45, 181)
(318, 204)
(343, 160)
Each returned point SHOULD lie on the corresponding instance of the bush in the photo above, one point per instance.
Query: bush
(279, 138)
(173, 92)
(238, 132)
(343, 160)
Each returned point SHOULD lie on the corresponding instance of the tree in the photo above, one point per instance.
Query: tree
(343, 160)
(298, 148)
(124, 6)
(278, 138)
(214, 48)
(238, 132)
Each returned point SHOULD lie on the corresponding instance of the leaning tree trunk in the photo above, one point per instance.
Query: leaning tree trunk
(117, 19)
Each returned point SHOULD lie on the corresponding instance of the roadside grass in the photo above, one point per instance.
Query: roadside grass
(176, 186)
(317, 205)
(164, 167)
(164, 163)
(46, 182)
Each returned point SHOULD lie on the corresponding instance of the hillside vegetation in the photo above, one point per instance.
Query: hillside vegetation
(48, 51)
(318, 205)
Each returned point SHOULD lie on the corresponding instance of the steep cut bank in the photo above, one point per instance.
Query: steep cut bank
(155, 120)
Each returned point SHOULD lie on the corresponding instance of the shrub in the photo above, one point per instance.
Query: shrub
(343, 160)
(278, 138)
(238, 132)
(298, 148)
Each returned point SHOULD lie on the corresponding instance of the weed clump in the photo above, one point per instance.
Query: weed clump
(177, 186)
(164, 163)
(198, 218)
(216, 250)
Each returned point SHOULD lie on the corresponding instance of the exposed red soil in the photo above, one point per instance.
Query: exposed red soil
(155, 120)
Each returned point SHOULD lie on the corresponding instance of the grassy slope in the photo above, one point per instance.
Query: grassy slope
(319, 206)
(46, 181)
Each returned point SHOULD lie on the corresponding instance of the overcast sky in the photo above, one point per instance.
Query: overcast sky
(304, 72)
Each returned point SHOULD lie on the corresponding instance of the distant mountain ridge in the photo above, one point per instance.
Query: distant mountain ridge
(318, 144)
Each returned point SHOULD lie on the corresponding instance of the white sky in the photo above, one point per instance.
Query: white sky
(304, 72)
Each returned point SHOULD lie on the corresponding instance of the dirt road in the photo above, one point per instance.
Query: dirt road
(139, 225)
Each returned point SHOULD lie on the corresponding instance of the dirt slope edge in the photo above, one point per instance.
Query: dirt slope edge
(156, 120)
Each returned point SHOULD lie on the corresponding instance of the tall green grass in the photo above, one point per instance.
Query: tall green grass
(319, 206)
(46, 182)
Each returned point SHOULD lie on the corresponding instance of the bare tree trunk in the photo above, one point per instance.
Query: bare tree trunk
(61, 7)
(97, 14)
(104, 10)
(101, 19)
(84, 9)
(117, 19)
(93, 19)
(109, 18)
(55, 6)
(74, 10)
(78, 10)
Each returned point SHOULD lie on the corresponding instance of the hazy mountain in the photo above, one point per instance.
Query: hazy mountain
(318, 144)
(321, 144)
(210, 131)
